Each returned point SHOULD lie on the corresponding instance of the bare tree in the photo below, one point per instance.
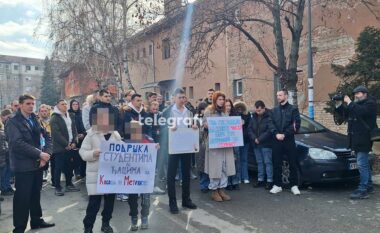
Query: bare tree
(96, 34)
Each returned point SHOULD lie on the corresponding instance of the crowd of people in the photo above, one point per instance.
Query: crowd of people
(66, 138)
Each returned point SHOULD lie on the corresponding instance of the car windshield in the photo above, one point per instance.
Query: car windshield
(309, 126)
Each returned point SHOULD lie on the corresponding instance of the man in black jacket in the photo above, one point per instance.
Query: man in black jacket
(361, 117)
(259, 131)
(105, 102)
(286, 122)
(30, 149)
(134, 111)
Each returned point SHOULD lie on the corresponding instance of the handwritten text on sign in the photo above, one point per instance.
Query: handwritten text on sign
(225, 132)
(126, 167)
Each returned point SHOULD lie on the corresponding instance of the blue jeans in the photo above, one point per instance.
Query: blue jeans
(236, 179)
(243, 152)
(204, 180)
(264, 164)
(6, 178)
(364, 171)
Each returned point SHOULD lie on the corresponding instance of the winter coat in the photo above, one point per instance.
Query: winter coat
(153, 129)
(246, 117)
(86, 117)
(286, 120)
(25, 142)
(214, 158)
(60, 133)
(3, 149)
(92, 142)
(260, 128)
(358, 133)
(203, 138)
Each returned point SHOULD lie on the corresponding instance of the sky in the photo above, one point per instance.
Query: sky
(18, 23)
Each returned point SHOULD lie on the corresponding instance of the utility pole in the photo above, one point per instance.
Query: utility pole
(310, 66)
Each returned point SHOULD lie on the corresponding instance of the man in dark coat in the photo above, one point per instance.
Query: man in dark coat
(286, 122)
(105, 102)
(30, 149)
(361, 117)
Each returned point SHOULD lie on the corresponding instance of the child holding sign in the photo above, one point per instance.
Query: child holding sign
(90, 152)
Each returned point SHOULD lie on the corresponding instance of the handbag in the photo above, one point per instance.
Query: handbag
(374, 133)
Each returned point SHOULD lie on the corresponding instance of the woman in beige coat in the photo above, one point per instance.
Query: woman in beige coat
(219, 162)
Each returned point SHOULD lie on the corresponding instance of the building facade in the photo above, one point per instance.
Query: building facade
(19, 75)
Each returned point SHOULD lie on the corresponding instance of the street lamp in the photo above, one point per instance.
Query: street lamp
(310, 66)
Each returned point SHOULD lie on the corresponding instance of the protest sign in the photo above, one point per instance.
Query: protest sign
(183, 140)
(225, 132)
(126, 167)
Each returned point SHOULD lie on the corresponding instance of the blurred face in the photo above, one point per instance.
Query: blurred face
(103, 123)
(154, 108)
(152, 98)
(62, 106)
(136, 102)
(282, 97)
(159, 99)
(260, 111)
(105, 98)
(228, 106)
(179, 100)
(75, 106)
(15, 106)
(360, 96)
(5, 118)
(44, 113)
(27, 106)
(209, 95)
(129, 96)
(220, 101)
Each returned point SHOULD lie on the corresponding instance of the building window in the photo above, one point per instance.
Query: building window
(150, 49)
(191, 93)
(144, 52)
(166, 49)
(6, 67)
(15, 67)
(238, 87)
(27, 68)
(36, 68)
(217, 86)
(138, 55)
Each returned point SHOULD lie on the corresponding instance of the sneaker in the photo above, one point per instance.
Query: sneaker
(295, 190)
(59, 192)
(258, 184)
(72, 188)
(193, 176)
(189, 204)
(144, 223)
(124, 197)
(134, 226)
(119, 197)
(246, 181)
(157, 190)
(106, 228)
(370, 189)
(357, 194)
(275, 189)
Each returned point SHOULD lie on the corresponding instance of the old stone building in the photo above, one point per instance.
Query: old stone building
(239, 70)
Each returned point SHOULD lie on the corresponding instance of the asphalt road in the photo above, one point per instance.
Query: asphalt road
(318, 209)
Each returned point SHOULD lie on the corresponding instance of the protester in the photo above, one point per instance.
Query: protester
(235, 180)
(27, 156)
(261, 136)
(44, 120)
(15, 106)
(4, 152)
(64, 138)
(6, 187)
(361, 117)
(105, 102)
(242, 110)
(204, 179)
(128, 96)
(137, 135)
(79, 164)
(152, 96)
(286, 122)
(153, 130)
(219, 162)
(102, 129)
(208, 99)
(176, 112)
(161, 102)
(90, 100)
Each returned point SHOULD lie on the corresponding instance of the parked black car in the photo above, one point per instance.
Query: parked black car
(323, 156)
